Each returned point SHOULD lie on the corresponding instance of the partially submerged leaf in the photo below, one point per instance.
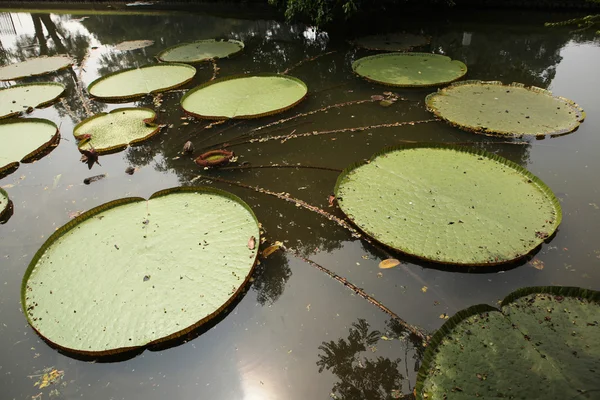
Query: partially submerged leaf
(398, 41)
(409, 69)
(89, 156)
(19, 98)
(24, 141)
(98, 302)
(492, 108)
(214, 158)
(270, 250)
(389, 263)
(4, 203)
(537, 263)
(244, 96)
(477, 209)
(130, 45)
(201, 50)
(541, 344)
(34, 66)
(116, 130)
(136, 82)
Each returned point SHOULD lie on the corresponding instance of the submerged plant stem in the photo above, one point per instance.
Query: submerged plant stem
(287, 71)
(411, 328)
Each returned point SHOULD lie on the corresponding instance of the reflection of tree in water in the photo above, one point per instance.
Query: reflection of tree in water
(271, 277)
(361, 377)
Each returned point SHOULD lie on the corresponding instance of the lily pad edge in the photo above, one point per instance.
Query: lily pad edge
(40, 105)
(238, 42)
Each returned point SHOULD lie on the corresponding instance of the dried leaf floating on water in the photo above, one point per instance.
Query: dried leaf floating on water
(389, 263)
(409, 69)
(492, 108)
(136, 82)
(244, 96)
(270, 250)
(449, 204)
(20, 98)
(25, 140)
(114, 131)
(201, 50)
(102, 276)
(542, 343)
(34, 67)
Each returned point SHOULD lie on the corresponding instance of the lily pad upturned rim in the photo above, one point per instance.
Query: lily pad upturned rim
(132, 96)
(450, 324)
(68, 58)
(57, 234)
(241, 76)
(357, 42)
(477, 152)
(239, 43)
(5, 209)
(40, 105)
(356, 64)
(202, 161)
(35, 154)
(579, 112)
(119, 147)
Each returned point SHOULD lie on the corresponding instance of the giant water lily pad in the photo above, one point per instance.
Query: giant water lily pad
(134, 272)
(114, 131)
(137, 82)
(19, 98)
(201, 50)
(398, 41)
(24, 141)
(409, 69)
(449, 204)
(4, 203)
(541, 344)
(244, 96)
(507, 110)
(34, 67)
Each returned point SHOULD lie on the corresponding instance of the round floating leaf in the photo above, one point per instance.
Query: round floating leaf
(133, 45)
(4, 203)
(133, 272)
(542, 344)
(244, 96)
(449, 204)
(34, 66)
(201, 50)
(137, 82)
(492, 108)
(19, 98)
(116, 130)
(392, 41)
(409, 69)
(24, 141)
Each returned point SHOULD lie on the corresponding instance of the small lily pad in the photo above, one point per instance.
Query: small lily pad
(542, 343)
(492, 108)
(34, 67)
(409, 69)
(201, 50)
(130, 45)
(17, 99)
(135, 82)
(244, 96)
(398, 41)
(135, 272)
(114, 131)
(449, 204)
(214, 158)
(25, 141)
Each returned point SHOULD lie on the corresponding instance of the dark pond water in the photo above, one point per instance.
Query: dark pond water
(296, 333)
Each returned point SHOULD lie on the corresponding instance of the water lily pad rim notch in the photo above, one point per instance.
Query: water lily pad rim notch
(241, 76)
(120, 202)
(592, 296)
(541, 186)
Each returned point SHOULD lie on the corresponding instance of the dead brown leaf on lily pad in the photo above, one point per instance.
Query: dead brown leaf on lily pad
(389, 263)
(252, 243)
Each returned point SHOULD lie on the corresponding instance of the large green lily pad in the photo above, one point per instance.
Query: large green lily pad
(541, 344)
(24, 141)
(409, 69)
(201, 50)
(244, 96)
(34, 67)
(492, 108)
(136, 82)
(133, 272)
(398, 41)
(114, 131)
(4, 202)
(17, 99)
(449, 204)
